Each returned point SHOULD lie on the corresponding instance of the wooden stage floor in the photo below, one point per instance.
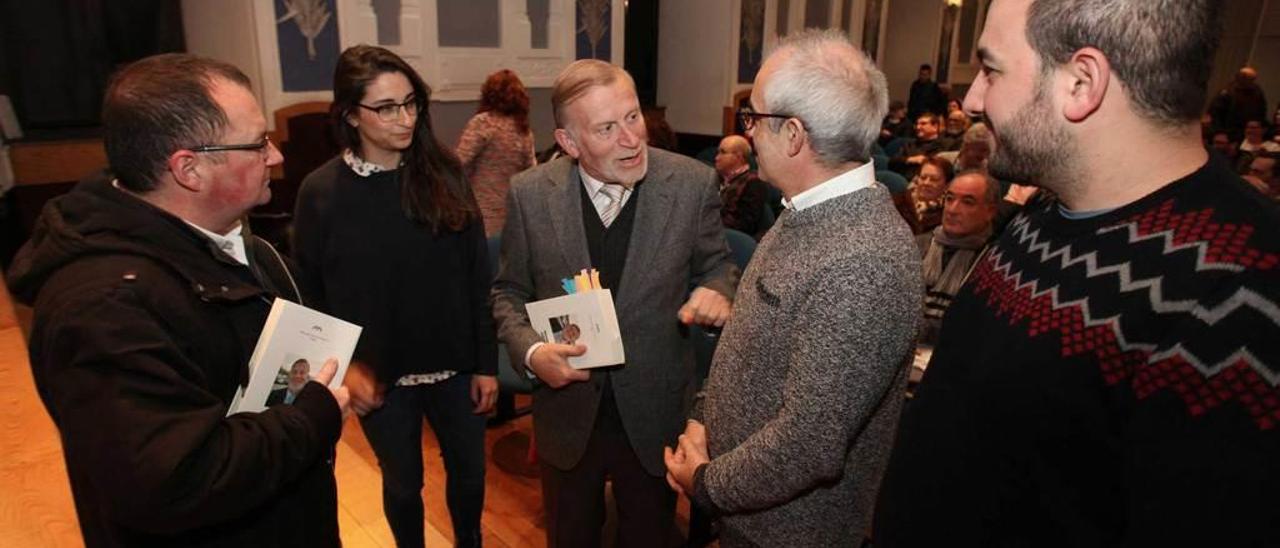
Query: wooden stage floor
(37, 508)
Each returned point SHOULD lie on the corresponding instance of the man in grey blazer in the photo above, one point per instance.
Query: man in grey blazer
(649, 221)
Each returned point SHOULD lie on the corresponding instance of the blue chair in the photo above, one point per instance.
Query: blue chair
(509, 382)
(741, 245)
(892, 148)
(708, 155)
(892, 180)
(881, 161)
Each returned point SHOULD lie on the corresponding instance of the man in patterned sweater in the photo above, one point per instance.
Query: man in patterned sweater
(807, 383)
(1108, 376)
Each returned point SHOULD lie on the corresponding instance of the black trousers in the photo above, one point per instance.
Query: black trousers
(395, 433)
(574, 499)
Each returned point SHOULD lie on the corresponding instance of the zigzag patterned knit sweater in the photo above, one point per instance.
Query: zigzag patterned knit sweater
(1106, 381)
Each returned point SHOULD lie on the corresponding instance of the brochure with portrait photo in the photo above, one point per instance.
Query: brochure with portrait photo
(294, 344)
(586, 318)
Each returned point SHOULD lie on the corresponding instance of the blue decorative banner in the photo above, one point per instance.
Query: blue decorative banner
(751, 44)
(594, 33)
(307, 35)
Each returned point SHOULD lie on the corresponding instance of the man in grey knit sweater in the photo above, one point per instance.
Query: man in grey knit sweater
(789, 438)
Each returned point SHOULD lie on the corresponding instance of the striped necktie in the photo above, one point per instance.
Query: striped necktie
(614, 207)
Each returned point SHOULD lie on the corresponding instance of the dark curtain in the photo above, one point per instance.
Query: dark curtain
(59, 54)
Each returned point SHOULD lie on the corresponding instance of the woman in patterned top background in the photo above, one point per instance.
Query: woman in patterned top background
(496, 144)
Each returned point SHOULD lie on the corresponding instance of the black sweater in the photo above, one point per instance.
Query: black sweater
(1102, 382)
(421, 296)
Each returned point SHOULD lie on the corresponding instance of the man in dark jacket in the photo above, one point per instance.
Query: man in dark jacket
(742, 193)
(926, 95)
(149, 297)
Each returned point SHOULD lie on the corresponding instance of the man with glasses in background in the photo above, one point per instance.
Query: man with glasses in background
(149, 296)
(789, 436)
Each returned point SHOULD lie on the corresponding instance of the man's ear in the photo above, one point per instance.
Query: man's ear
(1088, 77)
(184, 165)
(794, 135)
(566, 142)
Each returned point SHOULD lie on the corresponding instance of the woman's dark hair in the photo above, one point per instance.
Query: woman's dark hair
(948, 171)
(434, 190)
(504, 93)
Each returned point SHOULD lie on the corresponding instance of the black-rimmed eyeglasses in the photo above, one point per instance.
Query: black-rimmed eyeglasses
(748, 117)
(391, 112)
(260, 146)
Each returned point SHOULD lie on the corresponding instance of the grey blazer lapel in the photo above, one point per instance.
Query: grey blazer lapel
(564, 208)
(652, 214)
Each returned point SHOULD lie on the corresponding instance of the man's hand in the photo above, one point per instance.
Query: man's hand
(366, 393)
(690, 453)
(550, 362)
(705, 307)
(341, 394)
(484, 390)
(917, 159)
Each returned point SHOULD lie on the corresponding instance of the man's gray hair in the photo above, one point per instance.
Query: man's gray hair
(992, 195)
(1162, 51)
(834, 89)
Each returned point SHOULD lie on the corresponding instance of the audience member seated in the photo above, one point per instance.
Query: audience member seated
(957, 125)
(950, 250)
(926, 191)
(927, 143)
(742, 193)
(1220, 145)
(1254, 140)
(896, 125)
(1262, 174)
(975, 148)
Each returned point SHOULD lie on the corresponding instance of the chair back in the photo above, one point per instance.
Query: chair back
(508, 379)
(880, 161)
(892, 180)
(741, 246)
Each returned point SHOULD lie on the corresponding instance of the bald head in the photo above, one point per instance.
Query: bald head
(1247, 74)
(732, 155)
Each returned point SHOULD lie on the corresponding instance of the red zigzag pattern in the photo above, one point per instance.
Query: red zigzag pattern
(1239, 381)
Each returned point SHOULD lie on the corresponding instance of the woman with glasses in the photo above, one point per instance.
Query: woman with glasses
(389, 236)
(496, 144)
(926, 191)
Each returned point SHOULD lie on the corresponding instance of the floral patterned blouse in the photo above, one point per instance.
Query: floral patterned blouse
(492, 151)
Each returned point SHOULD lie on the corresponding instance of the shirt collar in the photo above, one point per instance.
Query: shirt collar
(741, 169)
(362, 167)
(594, 185)
(853, 180)
(231, 243)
